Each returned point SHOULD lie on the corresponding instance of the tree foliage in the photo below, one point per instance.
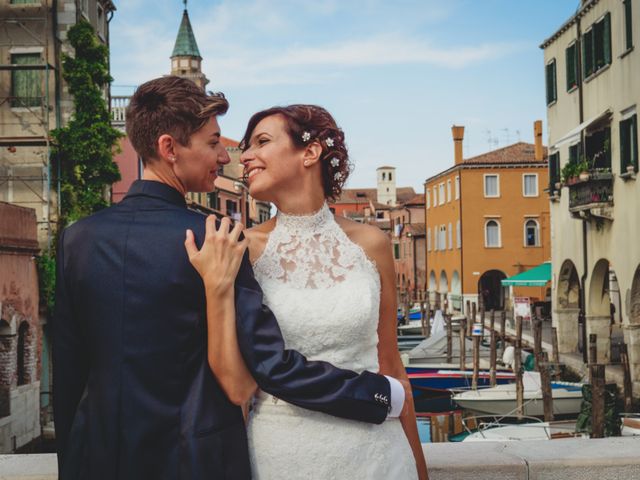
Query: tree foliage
(83, 149)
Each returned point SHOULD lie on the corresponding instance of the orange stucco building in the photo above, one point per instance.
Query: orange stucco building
(487, 219)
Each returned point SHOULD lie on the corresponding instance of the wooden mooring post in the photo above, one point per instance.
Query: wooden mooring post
(476, 361)
(545, 381)
(473, 319)
(626, 372)
(503, 331)
(494, 349)
(593, 348)
(537, 341)
(556, 353)
(463, 343)
(597, 400)
(517, 367)
(447, 319)
(424, 319)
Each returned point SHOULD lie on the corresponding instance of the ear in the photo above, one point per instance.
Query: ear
(167, 148)
(312, 153)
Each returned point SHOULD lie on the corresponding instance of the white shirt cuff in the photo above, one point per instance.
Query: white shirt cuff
(397, 397)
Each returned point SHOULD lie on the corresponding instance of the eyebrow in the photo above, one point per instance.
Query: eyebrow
(216, 134)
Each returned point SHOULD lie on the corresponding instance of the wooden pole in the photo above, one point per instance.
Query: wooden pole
(493, 359)
(467, 311)
(627, 389)
(447, 319)
(545, 380)
(473, 319)
(597, 400)
(593, 348)
(556, 353)
(537, 341)
(503, 331)
(476, 362)
(423, 320)
(463, 344)
(517, 366)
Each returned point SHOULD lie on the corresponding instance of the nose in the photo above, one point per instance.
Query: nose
(223, 157)
(246, 157)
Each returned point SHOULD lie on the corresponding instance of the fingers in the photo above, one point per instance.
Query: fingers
(210, 227)
(190, 244)
(234, 235)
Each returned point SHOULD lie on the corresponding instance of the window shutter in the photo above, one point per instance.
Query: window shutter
(633, 134)
(607, 39)
(628, 24)
(571, 67)
(587, 53)
(624, 146)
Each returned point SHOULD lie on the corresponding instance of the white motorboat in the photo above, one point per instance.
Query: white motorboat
(501, 399)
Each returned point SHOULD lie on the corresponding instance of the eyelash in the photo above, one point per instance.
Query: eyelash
(262, 141)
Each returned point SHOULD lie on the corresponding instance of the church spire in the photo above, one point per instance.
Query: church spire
(186, 60)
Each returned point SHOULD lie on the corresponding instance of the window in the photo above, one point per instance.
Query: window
(231, 207)
(554, 170)
(384, 176)
(214, 201)
(85, 8)
(443, 237)
(530, 184)
(429, 239)
(22, 2)
(457, 187)
(575, 153)
(428, 195)
(25, 84)
(531, 234)
(100, 21)
(628, 25)
(629, 143)
(492, 234)
(448, 190)
(572, 66)
(390, 176)
(491, 186)
(552, 92)
(435, 197)
(441, 193)
(450, 237)
(396, 251)
(458, 235)
(596, 46)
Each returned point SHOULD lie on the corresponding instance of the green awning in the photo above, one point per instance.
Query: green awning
(536, 277)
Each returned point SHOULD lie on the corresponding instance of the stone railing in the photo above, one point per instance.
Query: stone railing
(604, 459)
(118, 110)
(596, 193)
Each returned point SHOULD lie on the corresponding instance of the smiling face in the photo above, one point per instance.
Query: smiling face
(271, 161)
(197, 164)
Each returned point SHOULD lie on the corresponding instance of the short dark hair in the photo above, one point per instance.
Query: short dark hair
(169, 105)
(321, 126)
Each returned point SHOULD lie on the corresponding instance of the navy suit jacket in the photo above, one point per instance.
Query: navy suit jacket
(134, 397)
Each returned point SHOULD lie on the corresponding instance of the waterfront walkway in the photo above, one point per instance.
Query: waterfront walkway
(569, 459)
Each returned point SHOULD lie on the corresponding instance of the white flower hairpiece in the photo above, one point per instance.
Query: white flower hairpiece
(329, 142)
(306, 136)
(337, 176)
(335, 162)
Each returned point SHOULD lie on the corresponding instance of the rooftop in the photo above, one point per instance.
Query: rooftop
(365, 195)
(520, 152)
(186, 41)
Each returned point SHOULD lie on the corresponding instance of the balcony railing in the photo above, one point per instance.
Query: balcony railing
(593, 196)
(118, 110)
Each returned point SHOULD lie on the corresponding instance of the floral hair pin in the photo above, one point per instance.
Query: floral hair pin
(329, 142)
(306, 136)
(335, 162)
(337, 176)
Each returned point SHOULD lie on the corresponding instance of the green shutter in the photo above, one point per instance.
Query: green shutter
(607, 39)
(628, 24)
(26, 84)
(587, 53)
(572, 80)
(633, 134)
(624, 146)
(551, 81)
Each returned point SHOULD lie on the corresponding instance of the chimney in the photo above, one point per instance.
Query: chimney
(458, 136)
(537, 135)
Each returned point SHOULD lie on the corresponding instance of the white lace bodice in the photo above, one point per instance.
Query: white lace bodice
(323, 289)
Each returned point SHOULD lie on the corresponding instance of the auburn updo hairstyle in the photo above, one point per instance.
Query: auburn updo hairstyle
(306, 124)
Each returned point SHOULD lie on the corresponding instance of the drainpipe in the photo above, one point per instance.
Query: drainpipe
(582, 316)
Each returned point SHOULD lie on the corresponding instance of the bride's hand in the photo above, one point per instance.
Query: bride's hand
(219, 259)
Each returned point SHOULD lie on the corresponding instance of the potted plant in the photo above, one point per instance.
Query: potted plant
(568, 173)
(583, 170)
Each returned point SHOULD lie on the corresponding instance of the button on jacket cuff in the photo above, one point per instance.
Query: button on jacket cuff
(397, 397)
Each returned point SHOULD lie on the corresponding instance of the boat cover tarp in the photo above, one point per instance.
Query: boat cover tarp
(535, 277)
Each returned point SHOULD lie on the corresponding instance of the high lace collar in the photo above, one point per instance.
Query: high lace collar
(304, 222)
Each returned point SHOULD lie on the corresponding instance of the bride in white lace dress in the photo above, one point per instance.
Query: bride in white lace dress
(331, 284)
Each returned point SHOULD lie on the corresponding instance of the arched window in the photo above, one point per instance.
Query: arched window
(384, 176)
(531, 234)
(492, 234)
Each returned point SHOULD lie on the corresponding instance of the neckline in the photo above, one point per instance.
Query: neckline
(305, 221)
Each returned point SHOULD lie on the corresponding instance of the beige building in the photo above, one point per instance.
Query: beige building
(593, 94)
(34, 98)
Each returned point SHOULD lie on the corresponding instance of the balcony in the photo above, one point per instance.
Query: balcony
(119, 106)
(592, 197)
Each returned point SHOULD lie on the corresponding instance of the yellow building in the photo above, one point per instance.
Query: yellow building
(487, 219)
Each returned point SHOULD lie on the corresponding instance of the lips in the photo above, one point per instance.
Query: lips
(252, 172)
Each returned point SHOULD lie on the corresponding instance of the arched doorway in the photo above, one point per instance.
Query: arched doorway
(567, 309)
(491, 293)
(443, 290)
(599, 307)
(456, 292)
(632, 334)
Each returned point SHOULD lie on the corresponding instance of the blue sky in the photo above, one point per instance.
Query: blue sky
(396, 75)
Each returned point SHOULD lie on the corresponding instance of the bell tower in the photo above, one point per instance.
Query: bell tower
(186, 61)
